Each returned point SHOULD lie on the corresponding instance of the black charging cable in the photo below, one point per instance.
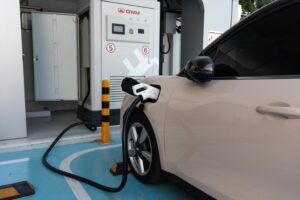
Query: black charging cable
(125, 128)
(169, 46)
(88, 126)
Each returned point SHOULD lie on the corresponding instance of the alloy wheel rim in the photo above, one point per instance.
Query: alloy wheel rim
(139, 149)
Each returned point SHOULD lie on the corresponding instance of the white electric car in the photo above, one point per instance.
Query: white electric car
(230, 125)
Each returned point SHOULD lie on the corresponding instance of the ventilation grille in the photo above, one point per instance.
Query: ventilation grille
(116, 93)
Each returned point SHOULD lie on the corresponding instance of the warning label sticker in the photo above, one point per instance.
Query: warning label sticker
(145, 50)
(110, 47)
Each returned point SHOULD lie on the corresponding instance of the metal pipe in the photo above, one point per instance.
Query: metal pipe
(161, 56)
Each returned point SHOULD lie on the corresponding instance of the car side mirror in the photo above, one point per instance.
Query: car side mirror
(200, 69)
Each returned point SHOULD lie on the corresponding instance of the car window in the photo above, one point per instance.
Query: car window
(267, 47)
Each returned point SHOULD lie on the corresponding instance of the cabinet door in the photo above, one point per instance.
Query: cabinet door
(55, 57)
(67, 57)
(44, 70)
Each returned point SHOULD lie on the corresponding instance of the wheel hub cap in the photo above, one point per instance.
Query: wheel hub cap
(139, 149)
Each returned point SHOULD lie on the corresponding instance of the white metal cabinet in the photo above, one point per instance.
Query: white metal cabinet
(133, 52)
(55, 50)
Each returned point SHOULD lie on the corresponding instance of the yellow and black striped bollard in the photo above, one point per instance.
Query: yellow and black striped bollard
(105, 137)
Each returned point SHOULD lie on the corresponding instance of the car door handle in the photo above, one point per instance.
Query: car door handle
(283, 110)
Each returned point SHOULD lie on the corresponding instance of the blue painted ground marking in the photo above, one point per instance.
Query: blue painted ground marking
(94, 165)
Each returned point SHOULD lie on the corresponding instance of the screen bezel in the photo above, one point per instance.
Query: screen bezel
(120, 25)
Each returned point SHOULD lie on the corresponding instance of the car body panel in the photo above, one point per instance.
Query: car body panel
(216, 141)
(211, 136)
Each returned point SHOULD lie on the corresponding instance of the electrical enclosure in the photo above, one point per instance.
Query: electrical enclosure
(129, 45)
(124, 39)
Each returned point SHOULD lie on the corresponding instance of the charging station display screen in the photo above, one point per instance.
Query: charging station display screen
(118, 29)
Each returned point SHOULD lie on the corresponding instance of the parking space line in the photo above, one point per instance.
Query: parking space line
(76, 186)
(8, 162)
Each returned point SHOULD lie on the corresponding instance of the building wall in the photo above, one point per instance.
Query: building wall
(199, 18)
(192, 29)
(217, 17)
(12, 107)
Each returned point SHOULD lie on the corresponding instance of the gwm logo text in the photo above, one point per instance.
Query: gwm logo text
(121, 10)
(128, 11)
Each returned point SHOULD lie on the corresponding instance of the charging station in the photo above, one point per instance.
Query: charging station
(124, 42)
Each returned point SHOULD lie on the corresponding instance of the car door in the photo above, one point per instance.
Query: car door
(238, 136)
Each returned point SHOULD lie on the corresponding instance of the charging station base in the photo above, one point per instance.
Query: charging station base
(117, 169)
(94, 117)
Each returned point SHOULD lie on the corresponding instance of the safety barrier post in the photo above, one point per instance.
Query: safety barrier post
(105, 137)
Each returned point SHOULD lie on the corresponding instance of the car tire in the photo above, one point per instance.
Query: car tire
(142, 150)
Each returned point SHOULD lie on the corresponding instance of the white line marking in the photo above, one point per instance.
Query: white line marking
(8, 162)
(76, 186)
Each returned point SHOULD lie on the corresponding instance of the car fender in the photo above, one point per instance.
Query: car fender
(156, 112)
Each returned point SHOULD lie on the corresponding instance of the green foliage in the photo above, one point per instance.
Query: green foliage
(262, 3)
(250, 6)
(247, 5)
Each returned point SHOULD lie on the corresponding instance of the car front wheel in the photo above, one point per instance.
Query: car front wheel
(142, 150)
